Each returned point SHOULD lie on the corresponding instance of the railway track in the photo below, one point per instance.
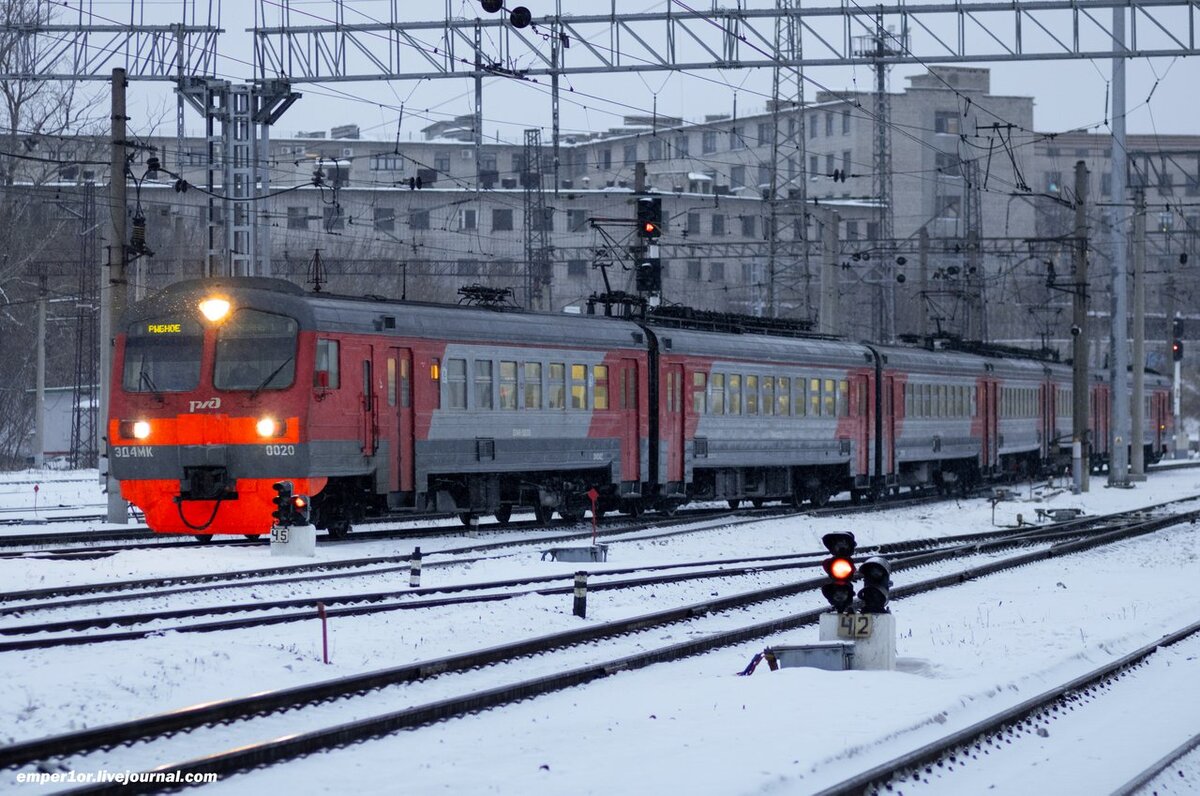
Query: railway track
(447, 685)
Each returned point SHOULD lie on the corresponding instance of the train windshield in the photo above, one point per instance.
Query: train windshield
(163, 355)
(255, 351)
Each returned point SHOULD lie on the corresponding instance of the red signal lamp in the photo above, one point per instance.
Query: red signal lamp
(839, 568)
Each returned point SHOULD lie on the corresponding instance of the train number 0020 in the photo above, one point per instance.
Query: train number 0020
(281, 450)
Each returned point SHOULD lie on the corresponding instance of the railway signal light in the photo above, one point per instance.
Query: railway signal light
(649, 217)
(283, 503)
(1177, 350)
(300, 510)
(877, 583)
(649, 275)
(840, 568)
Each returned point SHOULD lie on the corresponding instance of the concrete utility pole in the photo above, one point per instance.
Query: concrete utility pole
(1079, 352)
(1137, 465)
(923, 278)
(828, 312)
(1118, 469)
(114, 289)
(39, 422)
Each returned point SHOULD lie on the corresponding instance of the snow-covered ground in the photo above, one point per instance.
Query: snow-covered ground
(691, 726)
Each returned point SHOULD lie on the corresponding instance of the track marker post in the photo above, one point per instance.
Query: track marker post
(581, 594)
(593, 496)
(414, 569)
(324, 632)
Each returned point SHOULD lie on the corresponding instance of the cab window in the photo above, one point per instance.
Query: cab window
(255, 351)
(162, 355)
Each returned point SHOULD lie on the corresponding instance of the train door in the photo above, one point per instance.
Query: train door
(627, 402)
(399, 399)
(672, 415)
(989, 407)
(1099, 417)
(1046, 435)
(368, 405)
(859, 402)
(893, 403)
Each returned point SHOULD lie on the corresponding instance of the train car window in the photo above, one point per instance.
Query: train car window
(768, 395)
(699, 393)
(862, 399)
(735, 394)
(405, 384)
(926, 400)
(828, 399)
(579, 387)
(718, 393)
(163, 355)
(600, 387)
(456, 384)
(435, 375)
(368, 393)
(327, 374)
(508, 385)
(391, 381)
(533, 385)
(814, 397)
(633, 389)
(255, 351)
(752, 395)
(484, 375)
(974, 401)
(783, 395)
(843, 399)
(557, 387)
(908, 400)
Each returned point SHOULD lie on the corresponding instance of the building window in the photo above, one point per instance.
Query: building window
(764, 176)
(385, 219)
(577, 220)
(949, 207)
(845, 164)
(1054, 181)
(418, 219)
(693, 223)
(693, 270)
(829, 165)
(812, 129)
(681, 146)
(655, 149)
(630, 154)
(764, 134)
(388, 162)
(546, 222)
(576, 269)
(851, 230)
(708, 141)
(946, 122)
(814, 165)
(737, 177)
(749, 226)
(828, 123)
(718, 224)
(736, 141)
(334, 218)
(467, 218)
(846, 121)
(606, 159)
(441, 163)
(297, 218)
(502, 220)
(716, 272)
(948, 164)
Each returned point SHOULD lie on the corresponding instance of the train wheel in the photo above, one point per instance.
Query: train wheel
(820, 496)
(543, 514)
(734, 503)
(570, 515)
(465, 518)
(668, 508)
(254, 537)
(633, 508)
(503, 514)
(757, 503)
(797, 499)
(338, 529)
(204, 538)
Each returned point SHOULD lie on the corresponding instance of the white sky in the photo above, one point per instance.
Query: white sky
(1075, 95)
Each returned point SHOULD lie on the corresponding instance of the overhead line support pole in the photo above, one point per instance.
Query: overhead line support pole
(1079, 362)
(1119, 436)
(116, 286)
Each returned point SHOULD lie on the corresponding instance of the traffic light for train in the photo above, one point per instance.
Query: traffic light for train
(649, 217)
(300, 510)
(519, 17)
(840, 569)
(649, 275)
(1177, 350)
(283, 503)
(876, 575)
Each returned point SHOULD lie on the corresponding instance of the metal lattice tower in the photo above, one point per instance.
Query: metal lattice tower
(537, 241)
(787, 236)
(84, 398)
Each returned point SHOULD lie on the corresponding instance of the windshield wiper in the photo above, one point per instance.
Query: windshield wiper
(144, 378)
(268, 379)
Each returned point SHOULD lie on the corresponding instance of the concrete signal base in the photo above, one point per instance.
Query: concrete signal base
(298, 540)
(874, 652)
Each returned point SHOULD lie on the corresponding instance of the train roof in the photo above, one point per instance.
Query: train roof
(758, 346)
(362, 315)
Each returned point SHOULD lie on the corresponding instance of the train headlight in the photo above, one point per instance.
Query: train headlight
(270, 427)
(214, 308)
(141, 429)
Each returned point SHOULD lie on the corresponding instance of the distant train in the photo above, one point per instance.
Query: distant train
(222, 387)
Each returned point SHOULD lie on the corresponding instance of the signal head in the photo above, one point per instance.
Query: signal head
(877, 582)
(838, 568)
(840, 543)
(839, 595)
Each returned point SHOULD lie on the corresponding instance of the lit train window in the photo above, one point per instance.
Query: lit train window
(699, 393)
(783, 395)
(391, 381)
(255, 351)
(405, 384)
(718, 393)
(735, 394)
(829, 399)
(579, 387)
(600, 390)
(752, 395)
(843, 399)
(508, 385)
(456, 383)
(768, 395)
(557, 388)
(814, 397)
(533, 385)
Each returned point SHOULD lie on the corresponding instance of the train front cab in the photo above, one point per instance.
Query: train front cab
(207, 409)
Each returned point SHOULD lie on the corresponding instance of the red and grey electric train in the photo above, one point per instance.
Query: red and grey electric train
(222, 387)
